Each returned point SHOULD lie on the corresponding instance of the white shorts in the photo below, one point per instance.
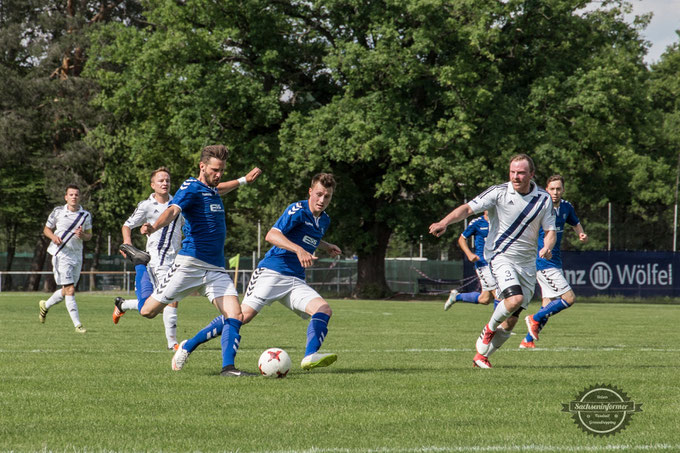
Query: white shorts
(267, 286)
(66, 269)
(552, 282)
(486, 279)
(157, 273)
(183, 278)
(512, 274)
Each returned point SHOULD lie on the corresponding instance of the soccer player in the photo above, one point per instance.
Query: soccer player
(162, 246)
(556, 293)
(281, 275)
(517, 210)
(479, 228)
(199, 265)
(67, 227)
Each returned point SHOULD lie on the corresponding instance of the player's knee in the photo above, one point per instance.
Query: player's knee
(569, 297)
(484, 298)
(147, 312)
(325, 308)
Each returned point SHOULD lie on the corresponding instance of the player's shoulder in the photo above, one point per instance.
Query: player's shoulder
(495, 189)
(189, 184)
(478, 221)
(567, 204)
(296, 207)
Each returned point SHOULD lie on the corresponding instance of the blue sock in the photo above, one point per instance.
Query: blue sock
(552, 308)
(143, 285)
(495, 303)
(472, 298)
(541, 325)
(210, 331)
(316, 332)
(230, 341)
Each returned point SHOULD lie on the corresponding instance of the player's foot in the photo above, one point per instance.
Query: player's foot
(173, 347)
(232, 371)
(80, 329)
(451, 300)
(484, 339)
(318, 359)
(479, 361)
(180, 358)
(134, 254)
(526, 344)
(42, 311)
(117, 309)
(533, 326)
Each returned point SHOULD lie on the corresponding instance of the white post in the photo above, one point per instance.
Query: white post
(609, 228)
(259, 235)
(109, 245)
(254, 260)
(421, 246)
(675, 227)
(465, 221)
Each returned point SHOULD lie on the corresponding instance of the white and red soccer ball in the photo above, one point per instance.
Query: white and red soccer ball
(274, 362)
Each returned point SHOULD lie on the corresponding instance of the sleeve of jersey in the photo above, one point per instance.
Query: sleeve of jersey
(288, 219)
(87, 225)
(52, 219)
(137, 218)
(548, 220)
(572, 218)
(182, 197)
(470, 230)
(484, 200)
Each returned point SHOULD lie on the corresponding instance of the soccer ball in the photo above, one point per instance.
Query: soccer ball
(274, 362)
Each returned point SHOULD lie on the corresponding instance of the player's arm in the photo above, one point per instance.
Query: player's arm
(127, 235)
(278, 239)
(49, 234)
(462, 243)
(461, 212)
(227, 186)
(163, 220)
(548, 244)
(332, 249)
(84, 235)
(582, 236)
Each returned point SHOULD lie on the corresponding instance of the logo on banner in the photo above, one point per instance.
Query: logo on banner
(601, 275)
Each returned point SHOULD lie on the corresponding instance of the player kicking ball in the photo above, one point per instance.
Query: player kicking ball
(281, 275)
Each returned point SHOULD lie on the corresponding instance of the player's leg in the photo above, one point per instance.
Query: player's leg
(143, 289)
(170, 324)
(212, 330)
(57, 296)
(71, 274)
(554, 286)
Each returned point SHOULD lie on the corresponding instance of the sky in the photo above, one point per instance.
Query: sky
(661, 30)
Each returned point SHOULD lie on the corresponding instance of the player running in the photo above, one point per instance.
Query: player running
(517, 210)
(555, 290)
(200, 264)
(67, 227)
(161, 247)
(280, 275)
(479, 228)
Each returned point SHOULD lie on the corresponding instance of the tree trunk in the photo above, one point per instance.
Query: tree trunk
(11, 251)
(95, 261)
(38, 263)
(371, 283)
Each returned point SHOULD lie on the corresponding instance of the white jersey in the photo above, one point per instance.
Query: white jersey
(64, 223)
(514, 221)
(163, 244)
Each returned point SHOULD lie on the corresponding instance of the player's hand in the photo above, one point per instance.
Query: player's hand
(437, 229)
(78, 232)
(56, 240)
(306, 258)
(545, 253)
(253, 175)
(334, 250)
(583, 237)
(473, 258)
(147, 229)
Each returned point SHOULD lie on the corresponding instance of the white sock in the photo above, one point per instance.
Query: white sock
(499, 315)
(498, 339)
(129, 304)
(170, 321)
(73, 310)
(54, 299)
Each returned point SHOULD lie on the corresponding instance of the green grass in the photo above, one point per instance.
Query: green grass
(403, 381)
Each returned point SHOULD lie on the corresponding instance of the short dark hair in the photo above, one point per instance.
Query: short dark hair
(555, 178)
(522, 156)
(72, 186)
(159, 170)
(220, 152)
(326, 179)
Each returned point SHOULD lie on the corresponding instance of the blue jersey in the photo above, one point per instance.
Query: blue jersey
(479, 228)
(205, 228)
(564, 214)
(300, 227)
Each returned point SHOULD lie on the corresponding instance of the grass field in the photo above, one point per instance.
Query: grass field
(403, 381)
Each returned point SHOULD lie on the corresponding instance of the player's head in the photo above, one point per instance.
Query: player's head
(211, 166)
(522, 170)
(72, 195)
(160, 180)
(555, 187)
(321, 192)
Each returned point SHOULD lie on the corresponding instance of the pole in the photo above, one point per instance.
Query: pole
(259, 235)
(609, 227)
(109, 245)
(421, 246)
